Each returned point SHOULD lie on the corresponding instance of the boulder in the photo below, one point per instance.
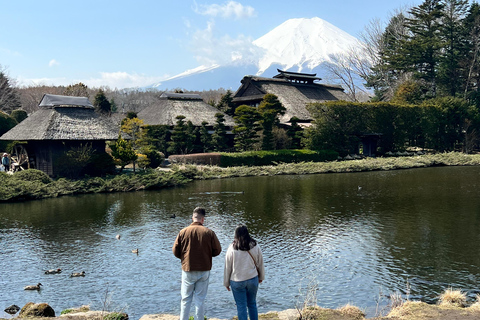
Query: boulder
(36, 310)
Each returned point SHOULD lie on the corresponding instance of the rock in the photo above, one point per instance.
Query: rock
(36, 310)
(12, 309)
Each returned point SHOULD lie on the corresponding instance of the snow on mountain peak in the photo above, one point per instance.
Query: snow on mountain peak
(303, 43)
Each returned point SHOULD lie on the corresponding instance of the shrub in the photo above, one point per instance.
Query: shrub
(100, 164)
(155, 157)
(262, 158)
(32, 175)
(116, 316)
(197, 158)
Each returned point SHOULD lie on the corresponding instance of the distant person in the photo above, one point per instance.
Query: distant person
(195, 246)
(244, 271)
(6, 162)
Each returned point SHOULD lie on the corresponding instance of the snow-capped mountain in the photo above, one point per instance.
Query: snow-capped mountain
(300, 45)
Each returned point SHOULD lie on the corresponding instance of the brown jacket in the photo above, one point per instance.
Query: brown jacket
(195, 246)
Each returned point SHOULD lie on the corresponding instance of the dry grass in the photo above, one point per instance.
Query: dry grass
(453, 298)
(352, 311)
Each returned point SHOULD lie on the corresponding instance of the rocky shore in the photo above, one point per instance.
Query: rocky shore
(409, 310)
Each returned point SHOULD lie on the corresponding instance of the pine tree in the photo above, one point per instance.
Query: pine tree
(295, 132)
(9, 97)
(181, 139)
(471, 63)
(421, 52)
(270, 108)
(101, 103)
(246, 127)
(219, 136)
(454, 36)
(226, 103)
(205, 137)
(113, 105)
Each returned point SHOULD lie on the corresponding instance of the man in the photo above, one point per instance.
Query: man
(6, 162)
(195, 246)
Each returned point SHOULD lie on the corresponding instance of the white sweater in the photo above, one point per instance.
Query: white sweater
(239, 265)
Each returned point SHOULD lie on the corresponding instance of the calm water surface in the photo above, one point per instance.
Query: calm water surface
(357, 237)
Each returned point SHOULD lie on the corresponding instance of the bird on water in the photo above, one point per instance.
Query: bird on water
(37, 287)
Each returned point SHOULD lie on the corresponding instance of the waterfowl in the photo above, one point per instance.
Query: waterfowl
(53, 271)
(37, 287)
(12, 309)
(173, 216)
(78, 274)
(135, 251)
(117, 236)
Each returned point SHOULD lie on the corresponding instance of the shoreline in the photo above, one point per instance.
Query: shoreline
(23, 187)
(406, 310)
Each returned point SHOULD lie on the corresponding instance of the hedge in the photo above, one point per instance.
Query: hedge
(262, 158)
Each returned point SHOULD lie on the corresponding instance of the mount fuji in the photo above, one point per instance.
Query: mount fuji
(299, 45)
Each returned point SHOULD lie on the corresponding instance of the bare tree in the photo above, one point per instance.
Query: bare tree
(9, 97)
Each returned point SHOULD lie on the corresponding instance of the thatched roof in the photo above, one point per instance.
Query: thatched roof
(294, 96)
(171, 105)
(66, 122)
(52, 100)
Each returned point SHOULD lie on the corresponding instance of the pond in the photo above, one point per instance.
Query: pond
(341, 238)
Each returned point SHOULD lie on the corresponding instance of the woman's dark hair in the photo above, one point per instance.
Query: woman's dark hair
(242, 240)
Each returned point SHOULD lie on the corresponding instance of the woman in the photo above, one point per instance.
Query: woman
(244, 270)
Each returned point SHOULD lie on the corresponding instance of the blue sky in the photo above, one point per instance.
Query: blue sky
(136, 43)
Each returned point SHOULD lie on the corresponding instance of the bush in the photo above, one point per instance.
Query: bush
(155, 157)
(262, 158)
(197, 158)
(99, 165)
(32, 175)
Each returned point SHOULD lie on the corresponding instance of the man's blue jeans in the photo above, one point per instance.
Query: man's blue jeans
(194, 287)
(245, 295)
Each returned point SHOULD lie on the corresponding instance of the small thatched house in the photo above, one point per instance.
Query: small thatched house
(62, 122)
(191, 106)
(294, 90)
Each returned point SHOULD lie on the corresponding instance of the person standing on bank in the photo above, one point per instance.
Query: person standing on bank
(244, 270)
(195, 246)
(6, 162)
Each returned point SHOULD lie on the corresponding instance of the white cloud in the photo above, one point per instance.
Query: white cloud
(227, 10)
(53, 62)
(211, 50)
(113, 80)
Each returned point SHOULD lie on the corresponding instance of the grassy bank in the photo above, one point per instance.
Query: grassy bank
(32, 184)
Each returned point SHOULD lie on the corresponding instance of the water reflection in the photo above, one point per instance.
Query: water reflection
(356, 235)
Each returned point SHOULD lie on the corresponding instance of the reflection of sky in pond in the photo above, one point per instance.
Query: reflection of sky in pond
(358, 237)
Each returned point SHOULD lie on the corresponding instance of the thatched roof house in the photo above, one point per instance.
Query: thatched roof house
(294, 90)
(62, 122)
(191, 106)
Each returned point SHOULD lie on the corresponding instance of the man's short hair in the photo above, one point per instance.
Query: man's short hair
(199, 212)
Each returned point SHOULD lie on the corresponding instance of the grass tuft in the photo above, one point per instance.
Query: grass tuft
(453, 298)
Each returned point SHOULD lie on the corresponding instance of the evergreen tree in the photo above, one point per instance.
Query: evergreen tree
(246, 127)
(270, 108)
(421, 52)
(193, 142)
(9, 97)
(295, 132)
(219, 136)
(181, 139)
(101, 103)
(123, 153)
(19, 115)
(389, 67)
(471, 63)
(158, 137)
(113, 105)
(205, 137)
(226, 103)
(453, 34)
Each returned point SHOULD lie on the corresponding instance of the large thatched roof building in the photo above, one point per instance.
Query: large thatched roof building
(62, 122)
(171, 105)
(294, 90)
